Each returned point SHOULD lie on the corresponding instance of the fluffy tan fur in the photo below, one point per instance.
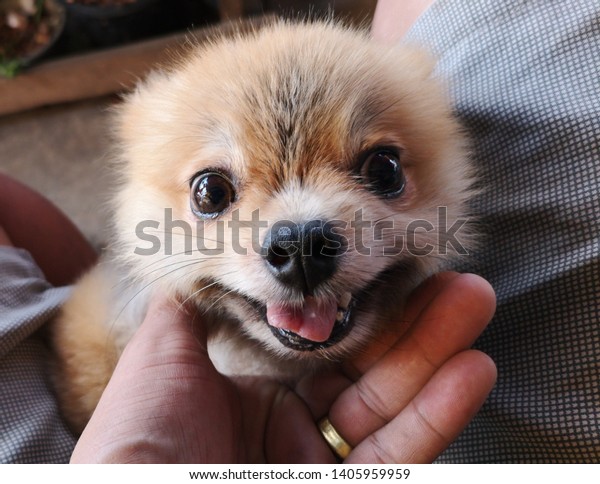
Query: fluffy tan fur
(85, 350)
(285, 111)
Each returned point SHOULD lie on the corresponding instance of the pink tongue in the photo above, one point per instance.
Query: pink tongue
(313, 321)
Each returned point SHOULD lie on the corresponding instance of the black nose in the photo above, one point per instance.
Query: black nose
(302, 256)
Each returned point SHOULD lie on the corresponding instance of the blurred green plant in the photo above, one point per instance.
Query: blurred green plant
(20, 33)
(9, 68)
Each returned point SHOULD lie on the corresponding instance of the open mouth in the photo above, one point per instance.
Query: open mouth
(336, 323)
(333, 324)
(340, 327)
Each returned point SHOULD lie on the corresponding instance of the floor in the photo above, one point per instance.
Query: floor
(63, 152)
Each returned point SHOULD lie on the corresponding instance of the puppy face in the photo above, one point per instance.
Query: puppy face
(292, 181)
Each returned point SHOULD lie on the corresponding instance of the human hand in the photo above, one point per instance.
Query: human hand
(393, 19)
(31, 222)
(397, 402)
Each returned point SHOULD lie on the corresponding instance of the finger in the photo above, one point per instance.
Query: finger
(437, 415)
(169, 329)
(449, 324)
(164, 389)
(319, 391)
(293, 435)
(427, 292)
(416, 303)
(278, 426)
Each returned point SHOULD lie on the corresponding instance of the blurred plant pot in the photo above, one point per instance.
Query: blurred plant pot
(105, 23)
(28, 29)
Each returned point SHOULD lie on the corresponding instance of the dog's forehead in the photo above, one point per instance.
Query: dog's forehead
(288, 105)
(295, 120)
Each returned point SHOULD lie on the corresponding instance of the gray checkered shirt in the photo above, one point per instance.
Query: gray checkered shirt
(525, 78)
(31, 429)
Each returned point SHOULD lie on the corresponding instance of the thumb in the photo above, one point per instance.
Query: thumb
(162, 382)
(170, 333)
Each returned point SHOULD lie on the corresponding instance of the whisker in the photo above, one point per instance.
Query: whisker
(221, 297)
(146, 286)
(195, 293)
(140, 276)
(156, 231)
(167, 256)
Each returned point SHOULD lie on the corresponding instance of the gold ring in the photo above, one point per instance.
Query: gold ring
(337, 443)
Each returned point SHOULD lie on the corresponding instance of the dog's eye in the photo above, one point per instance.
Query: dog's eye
(382, 173)
(211, 194)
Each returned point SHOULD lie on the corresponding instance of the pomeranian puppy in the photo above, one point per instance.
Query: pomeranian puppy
(294, 184)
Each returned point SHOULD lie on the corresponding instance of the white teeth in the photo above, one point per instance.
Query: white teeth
(345, 300)
(339, 316)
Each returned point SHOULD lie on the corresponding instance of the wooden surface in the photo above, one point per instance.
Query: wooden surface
(99, 73)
